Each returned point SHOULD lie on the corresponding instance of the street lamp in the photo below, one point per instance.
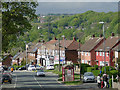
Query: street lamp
(59, 56)
(64, 48)
(104, 44)
(79, 59)
(26, 46)
(109, 57)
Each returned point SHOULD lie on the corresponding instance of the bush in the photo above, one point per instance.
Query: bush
(114, 73)
(110, 82)
(96, 72)
(84, 68)
(90, 69)
(96, 67)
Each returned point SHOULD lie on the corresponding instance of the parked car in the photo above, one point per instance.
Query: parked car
(40, 72)
(31, 67)
(6, 78)
(22, 68)
(88, 77)
(50, 67)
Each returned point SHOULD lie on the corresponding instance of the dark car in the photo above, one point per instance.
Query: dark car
(22, 68)
(6, 78)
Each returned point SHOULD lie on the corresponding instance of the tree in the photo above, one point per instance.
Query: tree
(16, 17)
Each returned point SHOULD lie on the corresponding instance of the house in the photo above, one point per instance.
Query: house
(68, 51)
(15, 59)
(107, 58)
(116, 55)
(7, 60)
(48, 53)
(88, 50)
(32, 53)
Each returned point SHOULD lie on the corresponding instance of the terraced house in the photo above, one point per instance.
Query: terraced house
(110, 43)
(88, 54)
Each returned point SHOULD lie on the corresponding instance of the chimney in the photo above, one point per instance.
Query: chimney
(112, 34)
(43, 41)
(93, 35)
(55, 38)
(74, 39)
(39, 41)
(101, 35)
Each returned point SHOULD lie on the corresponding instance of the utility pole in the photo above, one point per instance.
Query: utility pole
(59, 57)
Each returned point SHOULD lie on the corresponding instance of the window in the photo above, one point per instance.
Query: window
(97, 53)
(100, 53)
(88, 54)
(107, 54)
(86, 61)
(103, 54)
(82, 61)
(85, 53)
(82, 53)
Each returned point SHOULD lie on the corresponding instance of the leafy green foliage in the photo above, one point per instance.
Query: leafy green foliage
(16, 17)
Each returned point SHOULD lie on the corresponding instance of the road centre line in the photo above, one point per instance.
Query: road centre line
(15, 81)
(37, 81)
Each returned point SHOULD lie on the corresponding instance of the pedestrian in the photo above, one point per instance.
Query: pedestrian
(108, 85)
(99, 80)
(12, 69)
(105, 80)
(102, 83)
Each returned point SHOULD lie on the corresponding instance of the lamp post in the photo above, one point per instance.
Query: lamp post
(59, 56)
(64, 48)
(79, 59)
(109, 58)
(104, 44)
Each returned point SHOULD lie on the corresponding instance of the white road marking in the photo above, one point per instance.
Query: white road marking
(37, 81)
(15, 81)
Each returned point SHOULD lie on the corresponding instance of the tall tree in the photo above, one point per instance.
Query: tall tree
(16, 17)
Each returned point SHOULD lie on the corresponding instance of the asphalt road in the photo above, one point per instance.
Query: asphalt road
(29, 80)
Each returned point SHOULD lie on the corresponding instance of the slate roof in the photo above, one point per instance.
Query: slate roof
(91, 43)
(109, 42)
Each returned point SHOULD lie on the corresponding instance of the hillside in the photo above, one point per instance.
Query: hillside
(81, 26)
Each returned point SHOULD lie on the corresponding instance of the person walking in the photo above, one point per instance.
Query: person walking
(105, 80)
(12, 69)
(99, 81)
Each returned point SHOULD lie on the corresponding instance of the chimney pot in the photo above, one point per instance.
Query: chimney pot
(55, 38)
(112, 34)
(101, 35)
(74, 39)
(93, 35)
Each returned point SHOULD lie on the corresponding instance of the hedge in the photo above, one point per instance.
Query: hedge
(96, 72)
(90, 69)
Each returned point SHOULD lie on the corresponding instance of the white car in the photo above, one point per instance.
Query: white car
(50, 67)
(39, 67)
(40, 72)
(31, 67)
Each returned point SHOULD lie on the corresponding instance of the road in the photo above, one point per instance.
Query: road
(29, 80)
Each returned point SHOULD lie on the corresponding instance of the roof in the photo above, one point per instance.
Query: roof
(34, 48)
(52, 42)
(69, 44)
(117, 48)
(15, 57)
(110, 43)
(91, 43)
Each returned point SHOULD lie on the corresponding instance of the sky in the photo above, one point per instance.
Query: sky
(75, 7)
(78, 0)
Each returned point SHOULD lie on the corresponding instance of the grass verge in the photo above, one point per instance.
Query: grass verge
(73, 82)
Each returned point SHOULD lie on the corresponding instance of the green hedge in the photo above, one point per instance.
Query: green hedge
(84, 68)
(96, 72)
(90, 69)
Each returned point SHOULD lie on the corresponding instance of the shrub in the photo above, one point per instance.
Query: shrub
(84, 68)
(96, 72)
(90, 69)
(114, 73)
(96, 67)
(110, 82)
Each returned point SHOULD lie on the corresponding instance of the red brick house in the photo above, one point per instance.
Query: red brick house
(110, 43)
(88, 50)
(7, 60)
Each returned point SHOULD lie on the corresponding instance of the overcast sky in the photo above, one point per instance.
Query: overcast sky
(78, 0)
(75, 7)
